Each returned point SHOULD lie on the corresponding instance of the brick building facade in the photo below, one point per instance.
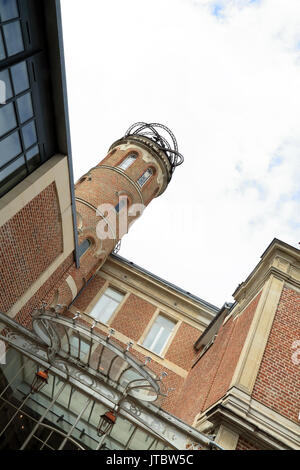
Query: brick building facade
(177, 371)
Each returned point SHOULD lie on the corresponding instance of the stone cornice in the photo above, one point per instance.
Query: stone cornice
(251, 418)
(279, 259)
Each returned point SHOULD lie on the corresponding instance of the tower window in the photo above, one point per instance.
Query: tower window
(123, 202)
(145, 177)
(128, 161)
(159, 334)
(107, 305)
(83, 247)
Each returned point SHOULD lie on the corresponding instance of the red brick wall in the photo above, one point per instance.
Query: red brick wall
(171, 381)
(24, 316)
(90, 291)
(181, 351)
(278, 382)
(244, 444)
(209, 380)
(133, 317)
(29, 242)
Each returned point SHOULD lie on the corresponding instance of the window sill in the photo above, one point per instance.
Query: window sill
(149, 350)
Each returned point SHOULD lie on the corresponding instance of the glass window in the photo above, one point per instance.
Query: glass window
(25, 107)
(106, 305)
(16, 165)
(7, 118)
(13, 38)
(74, 347)
(128, 161)
(159, 334)
(123, 202)
(20, 77)
(84, 246)
(4, 77)
(33, 157)
(10, 147)
(145, 176)
(12, 174)
(8, 10)
(29, 134)
(2, 51)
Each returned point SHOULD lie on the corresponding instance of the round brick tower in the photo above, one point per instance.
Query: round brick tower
(113, 194)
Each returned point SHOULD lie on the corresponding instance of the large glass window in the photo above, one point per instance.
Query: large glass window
(106, 305)
(159, 334)
(127, 161)
(27, 134)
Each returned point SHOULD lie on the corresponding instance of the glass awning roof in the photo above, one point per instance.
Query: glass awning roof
(72, 339)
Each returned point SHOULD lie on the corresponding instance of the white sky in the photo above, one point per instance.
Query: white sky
(225, 77)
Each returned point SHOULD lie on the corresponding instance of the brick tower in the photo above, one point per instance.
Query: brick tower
(114, 193)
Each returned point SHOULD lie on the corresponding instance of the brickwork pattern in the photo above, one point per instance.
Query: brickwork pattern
(29, 242)
(278, 382)
(133, 317)
(181, 351)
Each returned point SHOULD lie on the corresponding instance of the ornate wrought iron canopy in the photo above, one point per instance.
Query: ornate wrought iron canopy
(165, 141)
(111, 378)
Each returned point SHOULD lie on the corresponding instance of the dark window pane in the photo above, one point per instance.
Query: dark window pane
(2, 52)
(10, 147)
(20, 77)
(33, 158)
(25, 107)
(5, 89)
(84, 246)
(8, 9)
(13, 38)
(29, 134)
(7, 118)
(12, 175)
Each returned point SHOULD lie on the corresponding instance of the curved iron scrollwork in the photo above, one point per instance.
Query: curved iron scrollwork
(150, 131)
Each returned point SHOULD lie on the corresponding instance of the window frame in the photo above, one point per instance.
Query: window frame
(132, 152)
(98, 297)
(148, 179)
(35, 56)
(170, 338)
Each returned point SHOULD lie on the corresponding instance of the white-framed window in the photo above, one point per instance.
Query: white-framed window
(145, 176)
(159, 334)
(106, 305)
(128, 161)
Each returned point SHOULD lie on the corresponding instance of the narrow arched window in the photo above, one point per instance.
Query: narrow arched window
(128, 161)
(145, 177)
(83, 247)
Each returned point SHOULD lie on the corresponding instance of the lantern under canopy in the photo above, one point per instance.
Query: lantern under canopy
(106, 422)
(40, 379)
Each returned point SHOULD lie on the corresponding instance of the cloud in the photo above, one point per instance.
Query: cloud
(226, 82)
